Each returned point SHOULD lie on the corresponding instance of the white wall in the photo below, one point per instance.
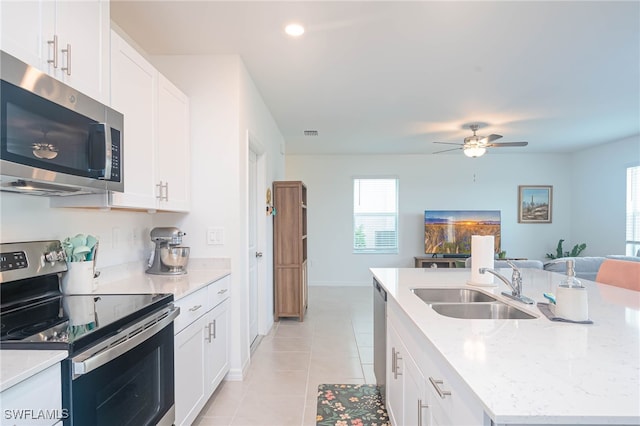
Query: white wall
(256, 119)
(225, 105)
(426, 182)
(599, 195)
(123, 235)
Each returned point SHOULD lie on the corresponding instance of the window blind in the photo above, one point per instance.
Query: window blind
(375, 215)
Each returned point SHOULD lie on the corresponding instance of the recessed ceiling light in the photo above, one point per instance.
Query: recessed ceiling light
(294, 30)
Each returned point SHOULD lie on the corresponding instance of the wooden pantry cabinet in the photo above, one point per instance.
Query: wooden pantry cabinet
(290, 249)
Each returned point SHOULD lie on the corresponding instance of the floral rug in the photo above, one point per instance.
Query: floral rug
(350, 405)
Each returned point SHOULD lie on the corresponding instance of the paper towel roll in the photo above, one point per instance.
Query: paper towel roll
(482, 256)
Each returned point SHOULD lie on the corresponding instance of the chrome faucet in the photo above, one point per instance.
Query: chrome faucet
(515, 284)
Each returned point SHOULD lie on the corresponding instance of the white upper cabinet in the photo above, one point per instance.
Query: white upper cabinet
(133, 93)
(67, 39)
(173, 165)
(156, 146)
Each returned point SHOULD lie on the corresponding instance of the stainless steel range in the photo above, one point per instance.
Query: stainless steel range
(120, 365)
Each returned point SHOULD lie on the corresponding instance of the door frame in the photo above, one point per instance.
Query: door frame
(264, 305)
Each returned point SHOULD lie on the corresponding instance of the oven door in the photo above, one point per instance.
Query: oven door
(127, 379)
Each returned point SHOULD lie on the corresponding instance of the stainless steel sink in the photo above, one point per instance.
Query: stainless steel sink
(451, 295)
(495, 310)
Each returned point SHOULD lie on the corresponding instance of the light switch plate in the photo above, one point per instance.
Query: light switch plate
(215, 236)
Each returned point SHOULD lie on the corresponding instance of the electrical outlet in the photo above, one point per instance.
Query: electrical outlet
(215, 236)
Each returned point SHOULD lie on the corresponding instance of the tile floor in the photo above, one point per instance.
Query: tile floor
(334, 344)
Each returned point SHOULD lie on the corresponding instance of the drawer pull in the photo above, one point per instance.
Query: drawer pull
(223, 291)
(436, 384)
(195, 308)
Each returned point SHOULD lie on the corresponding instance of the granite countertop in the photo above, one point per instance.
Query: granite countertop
(535, 370)
(19, 365)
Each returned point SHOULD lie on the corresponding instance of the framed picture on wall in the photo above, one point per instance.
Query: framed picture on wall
(535, 203)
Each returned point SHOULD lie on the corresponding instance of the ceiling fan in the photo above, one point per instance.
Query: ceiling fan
(476, 146)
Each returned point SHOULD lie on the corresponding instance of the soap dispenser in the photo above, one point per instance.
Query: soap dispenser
(571, 297)
(571, 280)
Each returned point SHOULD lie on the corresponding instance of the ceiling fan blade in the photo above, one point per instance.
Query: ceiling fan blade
(446, 150)
(506, 144)
(492, 137)
(450, 143)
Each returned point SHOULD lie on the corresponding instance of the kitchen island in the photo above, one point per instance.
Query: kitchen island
(528, 371)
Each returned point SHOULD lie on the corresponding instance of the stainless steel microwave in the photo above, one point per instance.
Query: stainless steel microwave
(55, 140)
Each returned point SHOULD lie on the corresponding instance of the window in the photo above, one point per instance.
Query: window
(633, 211)
(375, 215)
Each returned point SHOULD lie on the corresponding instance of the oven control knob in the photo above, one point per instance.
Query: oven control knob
(54, 256)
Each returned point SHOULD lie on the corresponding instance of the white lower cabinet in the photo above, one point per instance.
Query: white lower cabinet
(201, 348)
(36, 401)
(189, 367)
(421, 389)
(406, 397)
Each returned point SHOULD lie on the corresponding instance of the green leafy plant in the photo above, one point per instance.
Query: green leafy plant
(575, 251)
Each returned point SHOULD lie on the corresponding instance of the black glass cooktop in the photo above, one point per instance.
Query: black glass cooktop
(73, 322)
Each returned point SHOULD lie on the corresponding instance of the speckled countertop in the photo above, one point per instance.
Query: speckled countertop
(535, 370)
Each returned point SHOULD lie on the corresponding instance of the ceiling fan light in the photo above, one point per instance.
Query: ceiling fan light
(474, 151)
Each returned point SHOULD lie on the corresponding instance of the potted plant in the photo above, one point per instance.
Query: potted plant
(575, 251)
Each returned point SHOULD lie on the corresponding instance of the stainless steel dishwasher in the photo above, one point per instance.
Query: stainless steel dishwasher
(379, 336)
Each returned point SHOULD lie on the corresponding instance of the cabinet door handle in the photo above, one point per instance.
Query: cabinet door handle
(54, 42)
(67, 69)
(421, 406)
(208, 338)
(396, 371)
(195, 308)
(393, 362)
(214, 329)
(223, 291)
(436, 384)
(163, 191)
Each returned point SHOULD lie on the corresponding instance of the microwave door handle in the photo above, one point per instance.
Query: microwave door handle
(108, 155)
(121, 343)
(100, 154)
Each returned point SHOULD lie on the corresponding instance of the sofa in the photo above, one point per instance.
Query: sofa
(501, 263)
(586, 267)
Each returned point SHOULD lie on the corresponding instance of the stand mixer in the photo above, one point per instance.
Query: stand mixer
(168, 258)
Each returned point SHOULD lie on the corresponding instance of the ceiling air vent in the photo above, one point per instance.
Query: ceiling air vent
(311, 133)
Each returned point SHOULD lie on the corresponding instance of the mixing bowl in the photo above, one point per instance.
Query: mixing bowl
(175, 257)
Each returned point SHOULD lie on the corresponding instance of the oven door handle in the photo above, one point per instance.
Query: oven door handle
(122, 342)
